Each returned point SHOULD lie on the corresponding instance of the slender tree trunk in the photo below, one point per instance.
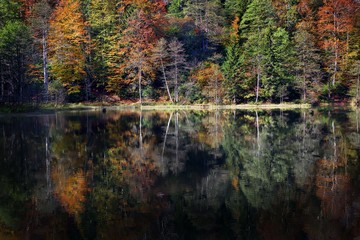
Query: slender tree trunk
(166, 83)
(45, 64)
(257, 83)
(335, 49)
(357, 90)
(304, 82)
(140, 76)
(176, 91)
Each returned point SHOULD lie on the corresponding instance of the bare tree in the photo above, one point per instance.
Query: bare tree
(177, 63)
(160, 57)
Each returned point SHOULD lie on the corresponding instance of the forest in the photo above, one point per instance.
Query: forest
(180, 51)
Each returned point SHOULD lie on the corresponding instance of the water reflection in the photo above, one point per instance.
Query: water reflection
(180, 175)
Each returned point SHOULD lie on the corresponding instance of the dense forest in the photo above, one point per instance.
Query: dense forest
(181, 51)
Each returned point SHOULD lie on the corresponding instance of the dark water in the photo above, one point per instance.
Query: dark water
(180, 175)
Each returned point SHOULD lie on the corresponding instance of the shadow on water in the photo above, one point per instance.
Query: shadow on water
(227, 174)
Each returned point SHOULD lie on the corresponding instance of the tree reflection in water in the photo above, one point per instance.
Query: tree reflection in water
(180, 175)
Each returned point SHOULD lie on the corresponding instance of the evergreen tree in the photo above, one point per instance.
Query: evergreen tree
(307, 63)
(256, 28)
(231, 65)
(280, 71)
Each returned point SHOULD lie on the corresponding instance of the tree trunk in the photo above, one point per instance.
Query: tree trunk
(257, 84)
(166, 84)
(335, 50)
(45, 64)
(304, 82)
(357, 90)
(140, 75)
(176, 92)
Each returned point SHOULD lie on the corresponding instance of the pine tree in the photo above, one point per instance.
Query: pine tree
(231, 65)
(256, 28)
(307, 63)
(280, 71)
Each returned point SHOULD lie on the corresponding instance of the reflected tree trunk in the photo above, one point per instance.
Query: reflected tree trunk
(177, 140)
(47, 162)
(257, 133)
(166, 133)
(216, 129)
(357, 120)
(334, 155)
(140, 134)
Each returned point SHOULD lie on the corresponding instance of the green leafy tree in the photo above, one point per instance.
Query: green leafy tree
(104, 27)
(14, 49)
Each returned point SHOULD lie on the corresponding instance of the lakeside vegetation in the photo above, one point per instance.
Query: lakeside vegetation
(180, 51)
(50, 107)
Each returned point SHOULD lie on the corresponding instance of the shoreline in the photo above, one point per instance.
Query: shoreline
(49, 108)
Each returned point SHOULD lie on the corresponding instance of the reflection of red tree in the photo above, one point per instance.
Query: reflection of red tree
(332, 188)
(70, 190)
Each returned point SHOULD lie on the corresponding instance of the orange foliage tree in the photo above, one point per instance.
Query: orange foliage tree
(142, 31)
(67, 45)
(335, 22)
(210, 77)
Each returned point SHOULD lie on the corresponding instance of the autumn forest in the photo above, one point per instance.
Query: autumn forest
(180, 51)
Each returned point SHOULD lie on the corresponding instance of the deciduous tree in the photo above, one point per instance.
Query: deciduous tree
(335, 22)
(68, 41)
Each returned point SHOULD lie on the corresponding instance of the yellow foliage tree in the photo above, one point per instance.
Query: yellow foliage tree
(67, 45)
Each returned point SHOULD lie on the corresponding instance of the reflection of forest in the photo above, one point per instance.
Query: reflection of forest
(180, 175)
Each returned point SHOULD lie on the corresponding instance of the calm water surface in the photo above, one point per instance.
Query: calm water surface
(180, 175)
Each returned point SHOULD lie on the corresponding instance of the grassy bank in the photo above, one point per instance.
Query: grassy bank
(220, 107)
(24, 108)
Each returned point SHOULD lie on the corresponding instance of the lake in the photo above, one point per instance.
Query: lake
(227, 174)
